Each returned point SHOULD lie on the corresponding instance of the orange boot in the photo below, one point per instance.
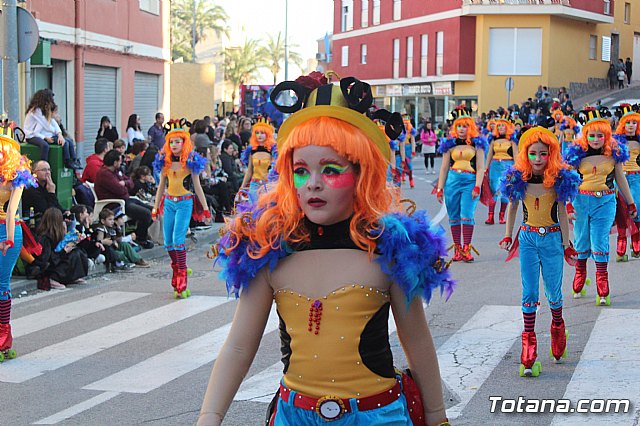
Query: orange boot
(528, 364)
(558, 341)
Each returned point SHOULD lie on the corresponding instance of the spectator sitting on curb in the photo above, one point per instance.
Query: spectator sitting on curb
(95, 161)
(94, 249)
(106, 234)
(42, 197)
(110, 183)
(126, 243)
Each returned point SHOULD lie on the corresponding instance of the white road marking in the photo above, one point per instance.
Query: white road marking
(173, 363)
(70, 311)
(608, 369)
(470, 355)
(18, 299)
(78, 408)
(36, 363)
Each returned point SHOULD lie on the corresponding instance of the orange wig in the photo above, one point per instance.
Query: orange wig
(624, 120)
(282, 218)
(268, 130)
(472, 130)
(554, 164)
(187, 147)
(10, 159)
(509, 131)
(557, 115)
(600, 125)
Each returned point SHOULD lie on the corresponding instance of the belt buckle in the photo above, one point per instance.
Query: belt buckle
(542, 231)
(458, 171)
(330, 408)
(175, 199)
(597, 194)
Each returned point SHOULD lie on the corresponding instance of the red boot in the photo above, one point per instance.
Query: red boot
(490, 220)
(181, 285)
(635, 245)
(579, 279)
(466, 253)
(502, 220)
(621, 249)
(6, 340)
(174, 275)
(558, 341)
(602, 285)
(529, 366)
(457, 252)
(411, 182)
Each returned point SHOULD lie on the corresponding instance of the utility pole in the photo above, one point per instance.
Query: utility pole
(193, 32)
(286, 40)
(10, 58)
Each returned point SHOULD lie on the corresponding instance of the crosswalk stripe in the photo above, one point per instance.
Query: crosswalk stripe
(261, 386)
(173, 363)
(608, 368)
(78, 408)
(470, 355)
(70, 311)
(64, 353)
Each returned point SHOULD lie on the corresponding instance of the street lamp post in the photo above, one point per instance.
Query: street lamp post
(10, 58)
(286, 40)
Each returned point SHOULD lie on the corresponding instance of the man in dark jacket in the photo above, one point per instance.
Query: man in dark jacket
(229, 164)
(42, 197)
(111, 183)
(94, 161)
(628, 69)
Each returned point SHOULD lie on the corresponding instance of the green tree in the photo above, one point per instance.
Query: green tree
(274, 54)
(241, 63)
(190, 21)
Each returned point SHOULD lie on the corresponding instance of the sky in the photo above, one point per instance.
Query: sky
(308, 21)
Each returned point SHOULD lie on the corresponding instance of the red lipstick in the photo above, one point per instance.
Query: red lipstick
(316, 202)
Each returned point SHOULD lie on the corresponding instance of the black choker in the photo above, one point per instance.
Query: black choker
(536, 179)
(175, 158)
(335, 236)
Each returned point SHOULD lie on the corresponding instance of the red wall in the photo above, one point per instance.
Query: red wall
(591, 5)
(459, 50)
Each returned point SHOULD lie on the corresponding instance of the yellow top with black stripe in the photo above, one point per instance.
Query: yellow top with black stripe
(597, 176)
(461, 155)
(329, 363)
(176, 178)
(541, 210)
(501, 149)
(632, 165)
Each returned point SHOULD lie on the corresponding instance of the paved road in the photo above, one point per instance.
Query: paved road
(120, 350)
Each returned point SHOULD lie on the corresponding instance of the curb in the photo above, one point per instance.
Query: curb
(20, 284)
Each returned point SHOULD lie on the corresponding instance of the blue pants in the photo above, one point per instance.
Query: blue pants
(177, 215)
(69, 149)
(394, 414)
(496, 171)
(594, 218)
(8, 262)
(408, 157)
(461, 207)
(541, 254)
(634, 185)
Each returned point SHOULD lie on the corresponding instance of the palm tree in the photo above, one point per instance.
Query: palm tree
(274, 54)
(241, 63)
(190, 21)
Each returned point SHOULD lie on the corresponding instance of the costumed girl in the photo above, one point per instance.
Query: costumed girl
(408, 138)
(397, 147)
(175, 162)
(570, 131)
(543, 183)
(14, 176)
(259, 156)
(599, 159)
(627, 133)
(460, 179)
(329, 244)
(502, 150)
(558, 117)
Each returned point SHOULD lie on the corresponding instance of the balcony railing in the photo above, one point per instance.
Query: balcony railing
(515, 2)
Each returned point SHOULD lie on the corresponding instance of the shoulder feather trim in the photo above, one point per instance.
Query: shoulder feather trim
(512, 185)
(567, 184)
(158, 163)
(573, 154)
(620, 152)
(446, 144)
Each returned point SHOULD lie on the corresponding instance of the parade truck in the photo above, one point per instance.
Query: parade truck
(254, 101)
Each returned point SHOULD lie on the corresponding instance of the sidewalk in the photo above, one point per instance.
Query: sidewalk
(579, 103)
(207, 236)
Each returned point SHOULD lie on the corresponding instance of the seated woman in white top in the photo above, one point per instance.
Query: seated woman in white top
(134, 131)
(39, 127)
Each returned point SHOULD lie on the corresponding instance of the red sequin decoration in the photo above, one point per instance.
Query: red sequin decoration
(537, 204)
(320, 231)
(595, 170)
(315, 315)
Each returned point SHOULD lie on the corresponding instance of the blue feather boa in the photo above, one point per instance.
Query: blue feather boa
(195, 162)
(573, 154)
(446, 144)
(514, 187)
(158, 163)
(24, 178)
(246, 154)
(567, 184)
(410, 250)
(620, 152)
(620, 139)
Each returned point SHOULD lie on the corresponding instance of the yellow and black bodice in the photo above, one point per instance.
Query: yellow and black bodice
(338, 343)
(4, 198)
(597, 171)
(502, 149)
(463, 157)
(260, 163)
(633, 165)
(175, 179)
(540, 210)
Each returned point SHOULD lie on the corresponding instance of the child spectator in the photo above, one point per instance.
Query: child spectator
(121, 147)
(107, 234)
(144, 186)
(94, 249)
(68, 265)
(125, 249)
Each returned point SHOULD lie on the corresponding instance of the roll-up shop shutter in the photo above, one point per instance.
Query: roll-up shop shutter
(146, 98)
(100, 97)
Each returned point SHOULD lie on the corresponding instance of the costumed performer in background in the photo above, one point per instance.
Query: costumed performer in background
(460, 179)
(15, 174)
(408, 137)
(627, 133)
(259, 156)
(502, 150)
(174, 202)
(331, 222)
(544, 184)
(599, 159)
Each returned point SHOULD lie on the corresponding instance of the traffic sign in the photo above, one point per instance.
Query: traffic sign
(28, 34)
(508, 84)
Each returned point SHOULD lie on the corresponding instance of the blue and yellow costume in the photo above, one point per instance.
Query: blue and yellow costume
(178, 202)
(260, 158)
(407, 138)
(14, 176)
(461, 188)
(500, 157)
